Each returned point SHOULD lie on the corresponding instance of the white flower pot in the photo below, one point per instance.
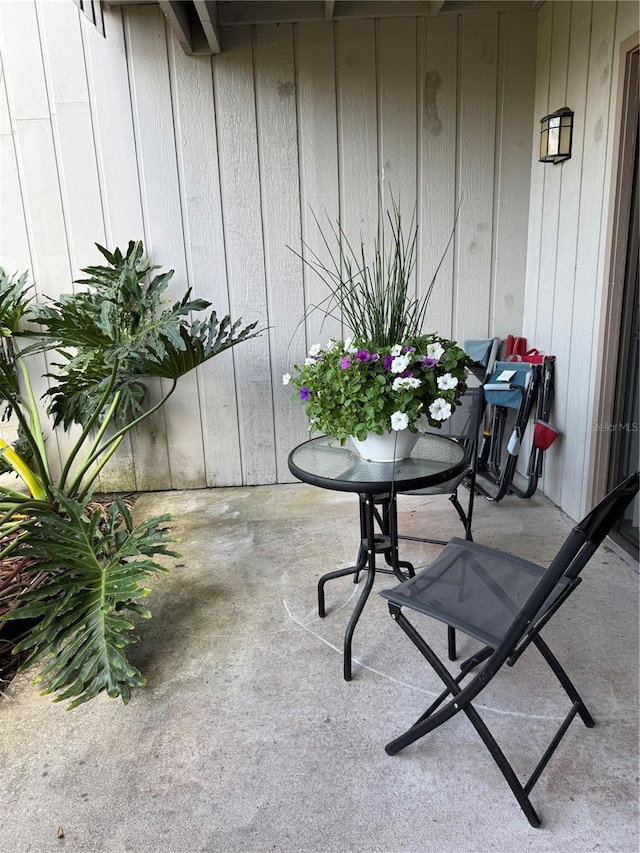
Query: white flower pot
(388, 447)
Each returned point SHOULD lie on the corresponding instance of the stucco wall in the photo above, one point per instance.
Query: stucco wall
(577, 66)
(217, 164)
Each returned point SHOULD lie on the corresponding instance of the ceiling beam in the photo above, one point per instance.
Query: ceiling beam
(178, 16)
(435, 6)
(208, 13)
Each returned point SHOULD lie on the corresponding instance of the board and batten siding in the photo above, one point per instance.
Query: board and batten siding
(219, 164)
(577, 63)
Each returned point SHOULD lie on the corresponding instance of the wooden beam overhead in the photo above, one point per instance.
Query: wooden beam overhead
(178, 16)
(208, 13)
(435, 6)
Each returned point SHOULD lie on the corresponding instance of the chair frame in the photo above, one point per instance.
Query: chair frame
(468, 478)
(554, 586)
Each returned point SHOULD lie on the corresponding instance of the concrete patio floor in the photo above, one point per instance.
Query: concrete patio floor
(248, 739)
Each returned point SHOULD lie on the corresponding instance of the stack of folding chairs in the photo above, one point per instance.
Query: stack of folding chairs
(518, 394)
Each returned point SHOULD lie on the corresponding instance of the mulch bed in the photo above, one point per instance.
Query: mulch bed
(15, 578)
(17, 575)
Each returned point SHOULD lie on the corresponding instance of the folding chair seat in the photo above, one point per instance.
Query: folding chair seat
(503, 601)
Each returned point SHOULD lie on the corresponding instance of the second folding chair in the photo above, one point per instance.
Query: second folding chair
(503, 601)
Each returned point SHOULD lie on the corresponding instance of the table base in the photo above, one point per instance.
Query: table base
(380, 510)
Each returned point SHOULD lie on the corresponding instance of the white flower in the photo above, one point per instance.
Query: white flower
(286, 379)
(447, 382)
(315, 349)
(400, 363)
(440, 410)
(396, 350)
(406, 382)
(308, 362)
(332, 344)
(399, 420)
(435, 350)
(347, 344)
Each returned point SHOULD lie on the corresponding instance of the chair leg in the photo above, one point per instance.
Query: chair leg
(464, 518)
(427, 724)
(564, 680)
(451, 643)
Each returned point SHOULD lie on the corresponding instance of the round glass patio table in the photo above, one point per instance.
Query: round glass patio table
(323, 462)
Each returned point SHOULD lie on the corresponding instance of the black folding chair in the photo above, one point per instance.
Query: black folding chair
(464, 427)
(503, 601)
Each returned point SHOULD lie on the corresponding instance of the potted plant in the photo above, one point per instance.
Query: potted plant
(388, 376)
(107, 337)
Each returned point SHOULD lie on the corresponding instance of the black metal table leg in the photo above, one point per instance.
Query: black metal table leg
(366, 515)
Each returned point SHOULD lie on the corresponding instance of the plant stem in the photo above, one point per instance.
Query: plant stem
(89, 426)
(117, 436)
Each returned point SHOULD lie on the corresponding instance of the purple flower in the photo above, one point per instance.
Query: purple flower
(304, 394)
(344, 364)
(375, 356)
(429, 362)
(387, 361)
(408, 349)
(406, 374)
(363, 355)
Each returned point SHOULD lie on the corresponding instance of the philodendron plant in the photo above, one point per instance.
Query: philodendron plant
(117, 330)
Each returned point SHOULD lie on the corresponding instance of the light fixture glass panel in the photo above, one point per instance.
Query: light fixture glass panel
(565, 140)
(554, 137)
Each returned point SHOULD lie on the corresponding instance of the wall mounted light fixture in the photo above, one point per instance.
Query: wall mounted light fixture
(556, 136)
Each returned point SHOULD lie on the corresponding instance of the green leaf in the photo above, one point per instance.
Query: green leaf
(99, 567)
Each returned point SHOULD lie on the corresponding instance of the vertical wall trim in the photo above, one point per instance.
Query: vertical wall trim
(456, 179)
(260, 169)
(295, 47)
(54, 136)
(498, 134)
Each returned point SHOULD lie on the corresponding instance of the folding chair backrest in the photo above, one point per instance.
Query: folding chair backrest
(509, 392)
(575, 553)
(588, 534)
(464, 423)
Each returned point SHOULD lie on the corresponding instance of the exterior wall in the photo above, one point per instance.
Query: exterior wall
(218, 163)
(577, 65)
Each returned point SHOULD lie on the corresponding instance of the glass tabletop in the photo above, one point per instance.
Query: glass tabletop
(323, 462)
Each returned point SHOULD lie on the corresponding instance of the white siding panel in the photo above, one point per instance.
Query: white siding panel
(280, 195)
(23, 59)
(541, 108)
(113, 131)
(37, 169)
(357, 131)
(566, 261)
(567, 239)
(438, 192)
(195, 126)
(153, 117)
(318, 164)
(72, 127)
(117, 172)
(240, 186)
(478, 61)
(397, 114)
(14, 242)
(581, 366)
(552, 181)
(515, 107)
